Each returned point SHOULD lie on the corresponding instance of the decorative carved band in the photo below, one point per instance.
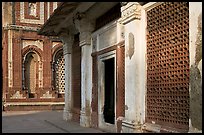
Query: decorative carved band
(130, 11)
(26, 28)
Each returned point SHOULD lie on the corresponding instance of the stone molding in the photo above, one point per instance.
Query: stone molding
(16, 27)
(130, 11)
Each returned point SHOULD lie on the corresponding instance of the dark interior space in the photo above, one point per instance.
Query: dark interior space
(109, 107)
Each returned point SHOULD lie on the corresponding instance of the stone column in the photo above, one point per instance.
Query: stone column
(135, 70)
(67, 40)
(85, 27)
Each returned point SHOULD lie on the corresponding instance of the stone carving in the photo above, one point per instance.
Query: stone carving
(33, 21)
(130, 11)
(17, 95)
(47, 95)
(32, 8)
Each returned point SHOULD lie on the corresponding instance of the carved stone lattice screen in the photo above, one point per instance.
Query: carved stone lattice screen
(168, 65)
(60, 74)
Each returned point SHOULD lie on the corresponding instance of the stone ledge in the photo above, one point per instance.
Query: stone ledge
(16, 27)
(34, 103)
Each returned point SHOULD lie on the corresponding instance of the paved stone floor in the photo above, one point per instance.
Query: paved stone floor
(40, 122)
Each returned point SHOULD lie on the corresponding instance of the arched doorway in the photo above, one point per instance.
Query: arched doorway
(30, 66)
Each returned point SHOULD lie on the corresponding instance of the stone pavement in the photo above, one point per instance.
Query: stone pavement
(41, 122)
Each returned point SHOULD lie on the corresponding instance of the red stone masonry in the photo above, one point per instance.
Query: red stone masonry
(18, 52)
(27, 16)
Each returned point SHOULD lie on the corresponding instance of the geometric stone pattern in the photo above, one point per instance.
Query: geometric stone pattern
(59, 74)
(168, 65)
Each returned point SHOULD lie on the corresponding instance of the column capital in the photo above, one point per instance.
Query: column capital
(83, 23)
(130, 11)
(67, 39)
(85, 26)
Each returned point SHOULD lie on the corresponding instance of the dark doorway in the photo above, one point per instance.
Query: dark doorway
(109, 106)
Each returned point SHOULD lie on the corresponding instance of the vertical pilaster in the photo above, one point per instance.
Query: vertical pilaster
(10, 58)
(134, 66)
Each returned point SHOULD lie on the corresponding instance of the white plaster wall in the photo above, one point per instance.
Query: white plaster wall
(120, 32)
(135, 73)
(107, 38)
(131, 73)
(107, 35)
(143, 66)
(195, 8)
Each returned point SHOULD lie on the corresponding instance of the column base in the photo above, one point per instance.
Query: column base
(130, 127)
(67, 115)
(111, 128)
(85, 121)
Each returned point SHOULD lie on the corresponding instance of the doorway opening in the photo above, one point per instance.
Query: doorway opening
(30, 73)
(109, 102)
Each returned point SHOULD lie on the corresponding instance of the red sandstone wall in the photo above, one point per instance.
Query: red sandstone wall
(17, 56)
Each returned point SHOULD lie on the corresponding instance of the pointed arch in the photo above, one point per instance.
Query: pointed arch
(32, 70)
(58, 69)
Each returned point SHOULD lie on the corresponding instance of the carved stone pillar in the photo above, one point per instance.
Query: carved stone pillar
(67, 39)
(134, 66)
(85, 27)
